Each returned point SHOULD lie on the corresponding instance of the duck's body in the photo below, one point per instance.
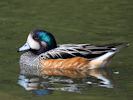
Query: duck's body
(66, 56)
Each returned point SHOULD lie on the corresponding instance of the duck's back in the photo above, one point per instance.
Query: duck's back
(76, 50)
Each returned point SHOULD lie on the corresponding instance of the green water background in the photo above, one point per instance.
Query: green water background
(71, 21)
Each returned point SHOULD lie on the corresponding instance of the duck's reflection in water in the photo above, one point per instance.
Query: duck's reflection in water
(66, 80)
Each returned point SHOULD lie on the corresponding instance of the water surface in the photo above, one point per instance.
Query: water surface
(78, 81)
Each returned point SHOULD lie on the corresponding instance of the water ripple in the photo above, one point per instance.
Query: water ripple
(66, 80)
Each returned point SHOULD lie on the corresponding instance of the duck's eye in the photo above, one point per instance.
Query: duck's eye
(35, 37)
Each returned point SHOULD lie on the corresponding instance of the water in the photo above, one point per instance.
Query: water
(77, 81)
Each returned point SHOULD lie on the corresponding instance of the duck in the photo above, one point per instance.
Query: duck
(41, 52)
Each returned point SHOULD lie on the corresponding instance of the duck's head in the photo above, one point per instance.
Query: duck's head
(39, 41)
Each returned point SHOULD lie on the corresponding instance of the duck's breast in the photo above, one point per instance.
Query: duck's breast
(29, 64)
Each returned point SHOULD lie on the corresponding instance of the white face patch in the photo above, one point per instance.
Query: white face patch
(32, 43)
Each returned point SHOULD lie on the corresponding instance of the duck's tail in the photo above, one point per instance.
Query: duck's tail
(103, 60)
(117, 46)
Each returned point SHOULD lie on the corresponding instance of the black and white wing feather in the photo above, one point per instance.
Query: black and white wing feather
(82, 50)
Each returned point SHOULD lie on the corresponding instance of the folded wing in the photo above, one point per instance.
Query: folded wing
(82, 50)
